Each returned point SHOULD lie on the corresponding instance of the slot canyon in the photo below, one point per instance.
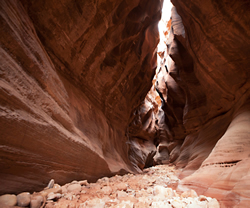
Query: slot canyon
(83, 97)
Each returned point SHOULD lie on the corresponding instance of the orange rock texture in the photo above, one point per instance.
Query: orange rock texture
(205, 93)
(71, 74)
(73, 80)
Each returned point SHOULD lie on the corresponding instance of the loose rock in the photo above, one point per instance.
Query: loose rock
(121, 186)
(36, 201)
(54, 196)
(76, 188)
(107, 190)
(83, 183)
(23, 199)
(94, 203)
(8, 200)
(51, 184)
(121, 194)
(148, 189)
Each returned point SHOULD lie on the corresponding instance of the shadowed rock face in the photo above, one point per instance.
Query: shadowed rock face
(205, 93)
(74, 73)
(71, 74)
(142, 132)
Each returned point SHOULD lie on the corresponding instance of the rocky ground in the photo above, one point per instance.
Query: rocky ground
(154, 187)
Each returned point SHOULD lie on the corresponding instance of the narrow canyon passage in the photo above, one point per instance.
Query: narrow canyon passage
(84, 101)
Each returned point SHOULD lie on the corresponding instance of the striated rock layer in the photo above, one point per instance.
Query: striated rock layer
(71, 74)
(204, 119)
(74, 73)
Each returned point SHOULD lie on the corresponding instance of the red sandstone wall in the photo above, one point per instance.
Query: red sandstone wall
(206, 94)
(71, 74)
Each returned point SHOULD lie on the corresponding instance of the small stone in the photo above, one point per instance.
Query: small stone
(141, 204)
(8, 199)
(106, 199)
(23, 199)
(121, 186)
(193, 193)
(74, 182)
(163, 192)
(161, 204)
(50, 205)
(57, 186)
(54, 190)
(36, 201)
(94, 203)
(150, 190)
(213, 203)
(83, 191)
(51, 184)
(190, 193)
(54, 196)
(76, 188)
(202, 198)
(107, 190)
(121, 194)
(177, 204)
(129, 198)
(146, 200)
(68, 196)
(64, 189)
(83, 183)
(103, 180)
(125, 204)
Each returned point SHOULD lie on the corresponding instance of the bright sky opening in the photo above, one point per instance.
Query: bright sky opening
(166, 14)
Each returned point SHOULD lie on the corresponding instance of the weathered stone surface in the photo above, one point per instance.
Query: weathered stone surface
(72, 72)
(107, 190)
(74, 188)
(52, 190)
(23, 199)
(36, 201)
(154, 193)
(143, 131)
(93, 203)
(205, 93)
(8, 200)
(53, 196)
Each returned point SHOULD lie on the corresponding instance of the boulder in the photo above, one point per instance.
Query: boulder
(36, 201)
(8, 200)
(23, 199)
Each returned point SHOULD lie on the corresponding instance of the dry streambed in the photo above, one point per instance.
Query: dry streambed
(154, 187)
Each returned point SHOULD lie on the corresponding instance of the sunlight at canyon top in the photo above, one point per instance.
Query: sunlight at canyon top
(162, 26)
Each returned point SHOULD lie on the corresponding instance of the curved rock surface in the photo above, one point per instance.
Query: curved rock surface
(73, 77)
(71, 74)
(205, 93)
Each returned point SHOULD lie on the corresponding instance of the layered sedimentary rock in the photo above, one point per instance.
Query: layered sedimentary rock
(142, 132)
(205, 91)
(72, 72)
(74, 75)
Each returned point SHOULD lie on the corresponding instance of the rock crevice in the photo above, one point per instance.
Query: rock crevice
(74, 78)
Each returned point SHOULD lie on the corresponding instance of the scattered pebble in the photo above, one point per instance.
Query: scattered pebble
(154, 187)
(75, 187)
(51, 184)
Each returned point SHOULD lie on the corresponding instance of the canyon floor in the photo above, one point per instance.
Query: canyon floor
(154, 187)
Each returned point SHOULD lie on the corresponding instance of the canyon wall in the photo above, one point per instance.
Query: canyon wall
(205, 92)
(72, 73)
